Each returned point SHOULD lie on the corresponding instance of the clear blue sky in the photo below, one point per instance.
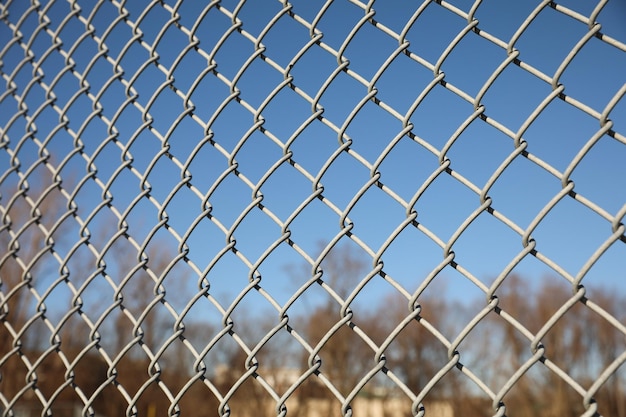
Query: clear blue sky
(569, 235)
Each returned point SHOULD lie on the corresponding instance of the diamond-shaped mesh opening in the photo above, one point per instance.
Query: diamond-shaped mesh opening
(312, 208)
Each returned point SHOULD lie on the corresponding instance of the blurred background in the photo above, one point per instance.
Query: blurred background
(395, 205)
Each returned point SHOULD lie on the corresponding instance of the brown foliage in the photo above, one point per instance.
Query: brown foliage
(43, 366)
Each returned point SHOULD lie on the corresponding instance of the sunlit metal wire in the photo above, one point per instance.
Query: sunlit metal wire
(34, 93)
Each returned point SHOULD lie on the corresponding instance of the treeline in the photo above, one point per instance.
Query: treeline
(113, 366)
(125, 353)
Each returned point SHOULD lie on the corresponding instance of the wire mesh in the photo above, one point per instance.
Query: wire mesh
(169, 170)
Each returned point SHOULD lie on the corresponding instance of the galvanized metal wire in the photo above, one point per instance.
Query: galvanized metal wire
(110, 39)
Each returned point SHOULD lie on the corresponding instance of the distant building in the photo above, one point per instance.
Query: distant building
(379, 402)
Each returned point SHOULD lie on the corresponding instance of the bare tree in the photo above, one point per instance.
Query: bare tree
(30, 232)
(345, 357)
(37, 269)
(144, 283)
(415, 354)
(581, 343)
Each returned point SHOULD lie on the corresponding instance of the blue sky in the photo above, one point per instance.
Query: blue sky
(568, 235)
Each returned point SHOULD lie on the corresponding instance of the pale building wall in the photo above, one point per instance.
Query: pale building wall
(363, 407)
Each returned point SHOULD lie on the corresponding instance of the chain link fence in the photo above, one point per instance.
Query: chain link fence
(312, 208)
